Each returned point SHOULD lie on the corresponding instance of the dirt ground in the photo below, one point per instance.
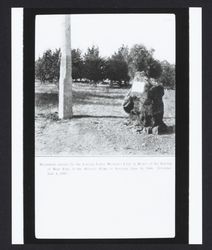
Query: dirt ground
(99, 126)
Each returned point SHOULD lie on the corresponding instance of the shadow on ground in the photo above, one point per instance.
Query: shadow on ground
(99, 125)
(46, 99)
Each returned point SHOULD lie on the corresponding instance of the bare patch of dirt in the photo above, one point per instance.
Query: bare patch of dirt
(99, 126)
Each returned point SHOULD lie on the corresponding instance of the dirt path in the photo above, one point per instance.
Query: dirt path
(98, 128)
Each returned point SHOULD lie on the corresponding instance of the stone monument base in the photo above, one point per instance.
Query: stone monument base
(144, 104)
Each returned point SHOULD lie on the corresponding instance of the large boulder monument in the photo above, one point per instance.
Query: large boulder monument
(144, 104)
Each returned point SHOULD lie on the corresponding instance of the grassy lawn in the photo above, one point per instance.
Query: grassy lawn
(98, 126)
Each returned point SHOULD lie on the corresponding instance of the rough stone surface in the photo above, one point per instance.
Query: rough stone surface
(145, 105)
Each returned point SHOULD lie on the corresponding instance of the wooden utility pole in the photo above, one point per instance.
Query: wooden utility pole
(65, 82)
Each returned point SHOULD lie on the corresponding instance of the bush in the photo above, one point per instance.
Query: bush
(167, 77)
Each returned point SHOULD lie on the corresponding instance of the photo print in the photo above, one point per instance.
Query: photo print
(105, 114)
(106, 141)
(117, 96)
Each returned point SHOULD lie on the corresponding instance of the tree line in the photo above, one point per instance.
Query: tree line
(118, 68)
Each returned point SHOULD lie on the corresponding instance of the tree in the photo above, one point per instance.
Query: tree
(47, 67)
(40, 70)
(77, 64)
(124, 51)
(93, 65)
(141, 59)
(167, 77)
(117, 67)
(154, 69)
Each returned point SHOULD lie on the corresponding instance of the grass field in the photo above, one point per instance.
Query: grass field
(98, 126)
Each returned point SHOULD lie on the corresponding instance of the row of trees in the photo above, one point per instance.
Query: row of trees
(120, 67)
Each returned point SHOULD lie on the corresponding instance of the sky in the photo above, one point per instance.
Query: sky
(109, 32)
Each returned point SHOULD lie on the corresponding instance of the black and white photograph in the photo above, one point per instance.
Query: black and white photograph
(106, 96)
(105, 85)
(105, 113)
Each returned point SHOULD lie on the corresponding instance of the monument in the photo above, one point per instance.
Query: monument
(144, 103)
(65, 81)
